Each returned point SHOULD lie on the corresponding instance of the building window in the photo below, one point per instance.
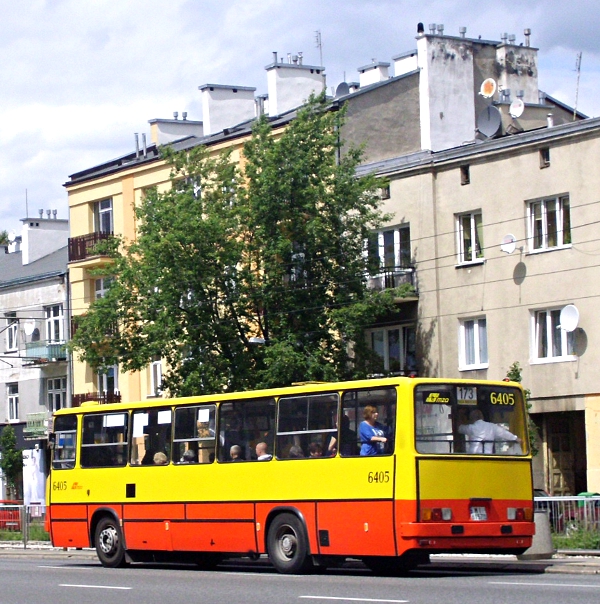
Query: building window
(549, 223)
(544, 157)
(12, 393)
(103, 217)
(465, 176)
(56, 389)
(12, 332)
(55, 331)
(102, 285)
(389, 250)
(156, 377)
(396, 347)
(469, 229)
(384, 192)
(473, 344)
(550, 342)
(108, 380)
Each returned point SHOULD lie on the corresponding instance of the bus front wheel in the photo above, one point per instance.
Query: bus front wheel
(109, 543)
(287, 545)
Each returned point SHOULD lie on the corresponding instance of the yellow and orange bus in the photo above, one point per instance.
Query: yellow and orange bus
(294, 473)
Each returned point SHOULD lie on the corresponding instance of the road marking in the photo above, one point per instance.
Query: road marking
(93, 586)
(351, 599)
(542, 584)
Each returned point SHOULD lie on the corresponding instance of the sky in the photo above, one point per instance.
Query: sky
(79, 77)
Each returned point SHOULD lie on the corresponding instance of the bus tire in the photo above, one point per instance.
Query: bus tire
(287, 545)
(109, 543)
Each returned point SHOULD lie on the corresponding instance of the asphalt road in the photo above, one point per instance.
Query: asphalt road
(37, 580)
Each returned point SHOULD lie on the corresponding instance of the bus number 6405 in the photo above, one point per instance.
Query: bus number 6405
(378, 477)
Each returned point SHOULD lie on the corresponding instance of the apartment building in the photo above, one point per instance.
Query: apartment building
(34, 364)
(476, 155)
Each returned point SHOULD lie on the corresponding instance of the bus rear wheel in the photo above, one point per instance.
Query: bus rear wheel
(287, 545)
(109, 543)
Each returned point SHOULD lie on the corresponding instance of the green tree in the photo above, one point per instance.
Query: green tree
(225, 259)
(514, 374)
(4, 238)
(11, 461)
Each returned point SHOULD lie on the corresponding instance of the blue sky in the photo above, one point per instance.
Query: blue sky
(80, 77)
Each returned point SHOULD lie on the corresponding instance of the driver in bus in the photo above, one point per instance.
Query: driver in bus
(482, 435)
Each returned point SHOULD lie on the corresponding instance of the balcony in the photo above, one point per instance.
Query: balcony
(45, 352)
(83, 247)
(100, 397)
(391, 277)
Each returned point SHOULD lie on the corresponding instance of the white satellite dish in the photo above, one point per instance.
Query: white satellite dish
(29, 328)
(569, 317)
(488, 88)
(11, 236)
(516, 108)
(508, 244)
(489, 122)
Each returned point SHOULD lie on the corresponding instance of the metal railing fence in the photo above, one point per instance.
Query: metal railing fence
(570, 514)
(22, 523)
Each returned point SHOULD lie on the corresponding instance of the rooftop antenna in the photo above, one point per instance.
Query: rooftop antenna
(319, 42)
(578, 70)
(26, 205)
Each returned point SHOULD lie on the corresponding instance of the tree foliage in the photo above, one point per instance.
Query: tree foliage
(11, 461)
(271, 251)
(514, 374)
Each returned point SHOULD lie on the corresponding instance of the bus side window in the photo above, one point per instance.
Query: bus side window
(245, 424)
(195, 431)
(65, 442)
(307, 426)
(104, 440)
(353, 403)
(151, 434)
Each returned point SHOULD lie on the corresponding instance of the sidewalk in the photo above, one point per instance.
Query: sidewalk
(563, 561)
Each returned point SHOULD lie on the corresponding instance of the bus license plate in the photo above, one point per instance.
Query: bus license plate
(478, 513)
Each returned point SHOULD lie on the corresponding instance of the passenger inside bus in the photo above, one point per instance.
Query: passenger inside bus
(235, 452)
(160, 459)
(373, 435)
(262, 453)
(315, 450)
(482, 436)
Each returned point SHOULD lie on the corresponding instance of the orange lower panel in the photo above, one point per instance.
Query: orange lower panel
(467, 544)
(70, 534)
(154, 511)
(220, 511)
(470, 529)
(357, 528)
(148, 535)
(68, 512)
(214, 536)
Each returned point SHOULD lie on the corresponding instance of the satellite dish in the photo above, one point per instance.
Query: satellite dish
(569, 317)
(489, 121)
(28, 328)
(516, 108)
(509, 244)
(488, 88)
(11, 236)
(342, 90)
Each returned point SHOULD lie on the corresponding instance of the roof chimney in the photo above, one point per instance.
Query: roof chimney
(373, 73)
(527, 33)
(432, 27)
(462, 31)
(420, 29)
(226, 106)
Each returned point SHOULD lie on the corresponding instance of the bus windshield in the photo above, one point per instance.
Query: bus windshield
(471, 419)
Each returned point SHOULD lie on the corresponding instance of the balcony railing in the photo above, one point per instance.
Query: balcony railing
(45, 352)
(390, 277)
(100, 397)
(82, 247)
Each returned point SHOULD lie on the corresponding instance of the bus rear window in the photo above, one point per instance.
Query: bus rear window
(470, 419)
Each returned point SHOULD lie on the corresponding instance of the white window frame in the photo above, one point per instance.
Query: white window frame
(56, 393)
(12, 332)
(156, 377)
(101, 286)
(403, 343)
(12, 401)
(103, 377)
(546, 331)
(103, 216)
(395, 232)
(480, 357)
(474, 255)
(538, 241)
(55, 324)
